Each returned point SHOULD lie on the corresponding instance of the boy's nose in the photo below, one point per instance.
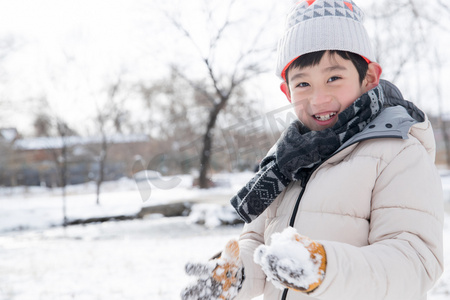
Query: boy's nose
(320, 98)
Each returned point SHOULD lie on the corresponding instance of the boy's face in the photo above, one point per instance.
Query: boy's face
(319, 93)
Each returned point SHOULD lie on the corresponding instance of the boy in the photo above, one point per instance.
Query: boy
(353, 180)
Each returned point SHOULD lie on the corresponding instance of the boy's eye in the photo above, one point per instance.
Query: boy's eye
(334, 78)
(303, 84)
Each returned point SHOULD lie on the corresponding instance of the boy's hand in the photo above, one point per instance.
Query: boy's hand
(219, 278)
(292, 261)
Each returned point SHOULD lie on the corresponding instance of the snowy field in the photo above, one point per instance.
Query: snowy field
(137, 259)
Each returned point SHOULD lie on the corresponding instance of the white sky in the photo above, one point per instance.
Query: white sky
(69, 51)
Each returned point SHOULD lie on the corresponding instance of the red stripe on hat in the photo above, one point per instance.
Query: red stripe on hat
(349, 5)
(366, 59)
(307, 1)
(283, 73)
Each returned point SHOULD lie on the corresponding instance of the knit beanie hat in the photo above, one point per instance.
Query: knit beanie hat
(315, 25)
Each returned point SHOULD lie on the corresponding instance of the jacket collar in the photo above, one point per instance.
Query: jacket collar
(395, 121)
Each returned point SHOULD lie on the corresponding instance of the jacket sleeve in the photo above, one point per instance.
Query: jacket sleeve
(404, 257)
(252, 236)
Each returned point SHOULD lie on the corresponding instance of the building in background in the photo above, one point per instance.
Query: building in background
(34, 161)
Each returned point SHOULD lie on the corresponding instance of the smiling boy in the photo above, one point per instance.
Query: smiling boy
(323, 90)
(348, 203)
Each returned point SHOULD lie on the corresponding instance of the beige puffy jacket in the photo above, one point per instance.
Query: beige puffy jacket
(376, 206)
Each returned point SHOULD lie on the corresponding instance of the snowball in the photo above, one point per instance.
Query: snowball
(288, 261)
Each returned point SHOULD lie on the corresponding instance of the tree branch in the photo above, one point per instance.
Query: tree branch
(444, 6)
(218, 36)
(388, 14)
(214, 79)
(401, 64)
(186, 33)
(246, 54)
(115, 87)
(194, 85)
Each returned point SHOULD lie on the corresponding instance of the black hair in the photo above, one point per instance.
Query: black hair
(313, 58)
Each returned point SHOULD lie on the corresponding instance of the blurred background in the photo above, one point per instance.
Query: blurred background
(116, 115)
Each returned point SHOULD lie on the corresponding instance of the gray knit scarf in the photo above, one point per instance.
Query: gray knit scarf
(299, 151)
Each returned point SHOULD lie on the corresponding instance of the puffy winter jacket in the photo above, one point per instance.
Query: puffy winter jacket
(376, 206)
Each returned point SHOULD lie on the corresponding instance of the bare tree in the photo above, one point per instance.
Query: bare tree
(50, 125)
(101, 158)
(42, 124)
(61, 162)
(107, 117)
(174, 123)
(406, 34)
(60, 155)
(171, 102)
(221, 84)
(179, 127)
(443, 8)
(10, 162)
(443, 121)
(400, 31)
(8, 45)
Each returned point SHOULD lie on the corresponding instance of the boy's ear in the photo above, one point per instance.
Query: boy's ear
(372, 76)
(285, 89)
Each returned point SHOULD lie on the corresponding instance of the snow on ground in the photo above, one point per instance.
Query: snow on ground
(40, 207)
(115, 260)
(137, 259)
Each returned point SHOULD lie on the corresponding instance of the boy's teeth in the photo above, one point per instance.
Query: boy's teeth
(324, 117)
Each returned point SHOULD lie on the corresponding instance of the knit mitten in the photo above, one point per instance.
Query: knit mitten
(219, 278)
(293, 261)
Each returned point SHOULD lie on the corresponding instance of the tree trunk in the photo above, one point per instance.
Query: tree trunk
(205, 158)
(101, 169)
(64, 181)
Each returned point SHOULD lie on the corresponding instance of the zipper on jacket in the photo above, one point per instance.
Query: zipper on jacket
(297, 204)
(284, 294)
(292, 221)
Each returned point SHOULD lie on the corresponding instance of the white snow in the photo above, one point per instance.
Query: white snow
(212, 215)
(288, 257)
(138, 259)
(116, 260)
(40, 207)
(38, 143)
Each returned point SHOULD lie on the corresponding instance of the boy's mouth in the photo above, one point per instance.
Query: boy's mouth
(325, 117)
